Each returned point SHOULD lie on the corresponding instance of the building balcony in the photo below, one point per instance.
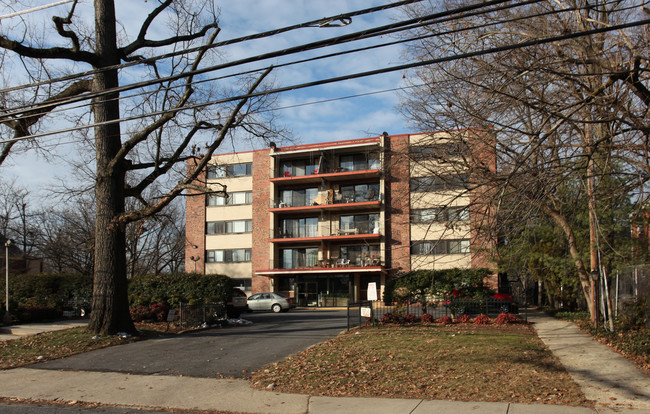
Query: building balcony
(335, 175)
(323, 202)
(324, 235)
(324, 266)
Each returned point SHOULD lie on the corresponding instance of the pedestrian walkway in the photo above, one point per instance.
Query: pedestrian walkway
(604, 375)
(613, 382)
(17, 331)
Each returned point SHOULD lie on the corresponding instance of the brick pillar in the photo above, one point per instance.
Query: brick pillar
(481, 143)
(195, 225)
(398, 207)
(261, 252)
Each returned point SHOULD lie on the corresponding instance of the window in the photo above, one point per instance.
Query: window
(233, 199)
(299, 198)
(439, 150)
(359, 162)
(363, 223)
(244, 283)
(439, 214)
(298, 168)
(232, 170)
(362, 255)
(228, 256)
(450, 182)
(440, 247)
(303, 227)
(359, 193)
(229, 227)
(299, 258)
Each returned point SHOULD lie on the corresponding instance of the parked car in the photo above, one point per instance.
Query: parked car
(269, 301)
(236, 304)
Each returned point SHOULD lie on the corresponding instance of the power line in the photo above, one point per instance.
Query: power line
(17, 110)
(33, 9)
(365, 34)
(427, 62)
(313, 23)
(375, 46)
(374, 32)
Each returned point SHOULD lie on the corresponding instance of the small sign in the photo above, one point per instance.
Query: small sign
(171, 315)
(366, 312)
(372, 291)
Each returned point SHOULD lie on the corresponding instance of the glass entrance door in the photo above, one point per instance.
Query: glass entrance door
(308, 294)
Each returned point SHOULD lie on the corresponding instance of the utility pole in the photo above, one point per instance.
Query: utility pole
(7, 317)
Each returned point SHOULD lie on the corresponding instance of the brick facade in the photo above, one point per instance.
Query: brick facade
(261, 254)
(195, 226)
(397, 201)
(483, 165)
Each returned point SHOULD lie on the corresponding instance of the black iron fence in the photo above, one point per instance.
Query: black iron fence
(362, 313)
(199, 313)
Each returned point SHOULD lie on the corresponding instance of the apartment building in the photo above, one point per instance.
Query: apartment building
(320, 222)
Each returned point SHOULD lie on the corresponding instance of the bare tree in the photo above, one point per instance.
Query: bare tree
(149, 151)
(575, 108)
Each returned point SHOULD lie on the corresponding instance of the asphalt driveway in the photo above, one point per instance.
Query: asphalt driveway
(218, 352)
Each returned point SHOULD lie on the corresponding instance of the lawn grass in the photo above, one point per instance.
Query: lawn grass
(458, 362)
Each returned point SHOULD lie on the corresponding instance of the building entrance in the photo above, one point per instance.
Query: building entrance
(322, 290)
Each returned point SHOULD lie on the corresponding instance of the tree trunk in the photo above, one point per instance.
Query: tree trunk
(110, 307)
(585, 280)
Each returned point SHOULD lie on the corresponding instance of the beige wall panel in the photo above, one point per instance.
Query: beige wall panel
(233, 184)
(437, 231)
(228, 241)
(450, 261)
(222, 213)
(230, 269)
(430, 200)
(234, 158)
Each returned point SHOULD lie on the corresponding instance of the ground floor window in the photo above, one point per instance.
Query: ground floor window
(318, 290)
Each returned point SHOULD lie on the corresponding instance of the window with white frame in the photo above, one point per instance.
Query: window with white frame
(232, 170)
(440, 247)
(439, 214)
(233, 199)
(228, 256)
(229, 227)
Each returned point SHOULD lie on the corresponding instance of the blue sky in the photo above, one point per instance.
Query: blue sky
(333, 120)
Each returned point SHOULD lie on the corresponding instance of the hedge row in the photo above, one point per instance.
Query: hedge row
(179, 287)
(44, 296)
(47, 291)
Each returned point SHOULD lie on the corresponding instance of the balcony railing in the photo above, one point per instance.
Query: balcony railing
(325, 200)
(323, 232)
(330, 263)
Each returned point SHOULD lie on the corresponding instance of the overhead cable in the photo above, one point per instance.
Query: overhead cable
(390, 69)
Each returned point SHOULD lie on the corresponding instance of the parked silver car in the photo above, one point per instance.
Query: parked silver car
(269, 301)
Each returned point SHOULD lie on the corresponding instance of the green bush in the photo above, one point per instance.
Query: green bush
(422, 285)
(47, 290)
(35, 313)
(175, 288)
(634, 314)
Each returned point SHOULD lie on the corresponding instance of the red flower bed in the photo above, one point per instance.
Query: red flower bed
(506, 318)
(445, 320)
(482, 320)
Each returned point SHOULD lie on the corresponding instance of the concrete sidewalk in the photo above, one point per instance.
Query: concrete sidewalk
(202, 394)
(17, 331)
(613, 382)
(604, 375)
